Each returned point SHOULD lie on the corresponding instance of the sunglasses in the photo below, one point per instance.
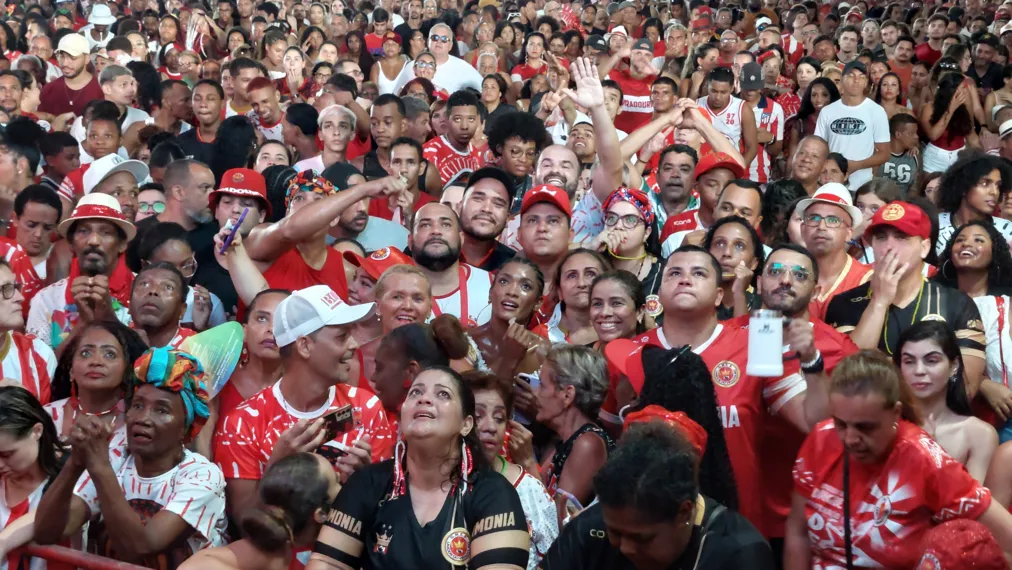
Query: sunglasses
(441, 39)
(156, 207)
(425, 65)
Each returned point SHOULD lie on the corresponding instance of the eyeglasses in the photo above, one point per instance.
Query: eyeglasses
(629, 221)
(156, 207)
(440, 39)
(425, 65)
(813, 221)
(9, 289)
(778, 270)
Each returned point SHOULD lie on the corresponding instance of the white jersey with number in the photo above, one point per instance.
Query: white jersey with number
(728, 119)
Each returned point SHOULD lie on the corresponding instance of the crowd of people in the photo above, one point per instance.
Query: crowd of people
(497, 276)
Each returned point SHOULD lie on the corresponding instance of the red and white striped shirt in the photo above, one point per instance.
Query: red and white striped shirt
(769, 115)
(11, 513)
(29, 361)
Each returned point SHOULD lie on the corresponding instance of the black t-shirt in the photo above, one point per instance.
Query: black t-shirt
(732, 543)
(936, 302)
(199, 238)
(383, 533)
(193, 146)
(499, 256)
(216, 279)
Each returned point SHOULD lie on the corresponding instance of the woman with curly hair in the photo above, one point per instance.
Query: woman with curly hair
(948, 123)
(970, 190)
(515, 140)
(779, 204)
(977, 261)
(93, 376)
(419, 88)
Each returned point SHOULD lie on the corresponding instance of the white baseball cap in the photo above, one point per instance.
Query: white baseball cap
(1005, 129)
(73, 45)
(309, 310)
(108, 165)
(101, 15)
(836, 194)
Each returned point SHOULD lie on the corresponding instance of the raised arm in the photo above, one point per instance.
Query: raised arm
(267, 242)
(590, 95)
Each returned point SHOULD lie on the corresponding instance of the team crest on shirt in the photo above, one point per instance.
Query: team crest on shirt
(383, 539)
(933, 317)
(883, 508)
(929, 562)
(726, 374)
(653, 306)
(457, 547)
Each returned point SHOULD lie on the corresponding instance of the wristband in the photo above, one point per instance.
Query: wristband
(815, 365)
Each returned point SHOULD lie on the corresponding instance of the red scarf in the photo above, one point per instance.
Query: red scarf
(120, 282)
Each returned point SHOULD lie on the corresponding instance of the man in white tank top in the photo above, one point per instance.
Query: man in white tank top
(731, 115)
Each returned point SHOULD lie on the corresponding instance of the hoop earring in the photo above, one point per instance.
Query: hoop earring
(942, 269)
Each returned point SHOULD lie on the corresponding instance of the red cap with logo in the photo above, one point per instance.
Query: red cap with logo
(903, 216)
(241, 182)
(378, 261)
(550, 194)
(719, 160)
(959, 544)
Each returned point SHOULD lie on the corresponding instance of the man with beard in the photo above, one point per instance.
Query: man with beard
(70, 93)
(828, 220)
(458, 289)
(157, 303)
(293, 253)
(515, 141)
(787, 283)
(690, 294)
(187, 183)
(243, 70)
(98, 285)
(10, 94)
(808, 160)
(483, 215)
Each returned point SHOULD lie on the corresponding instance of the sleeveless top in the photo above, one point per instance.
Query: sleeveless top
(949, 141)
(371, 167)
(565, 448)
(385, 85)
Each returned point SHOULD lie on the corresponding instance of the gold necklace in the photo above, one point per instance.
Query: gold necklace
(913, 319)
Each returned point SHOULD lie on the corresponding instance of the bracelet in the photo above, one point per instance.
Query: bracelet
(814, 366)
(813, 361)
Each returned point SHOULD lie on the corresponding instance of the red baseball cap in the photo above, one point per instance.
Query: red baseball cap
(547, 193)
(961, 543)
(241, 182)
(378, 261)
(719, 160)
(391, 36)
(626, 357)
(903, 216)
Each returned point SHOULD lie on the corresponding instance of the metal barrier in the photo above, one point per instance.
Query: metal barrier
(76, 558)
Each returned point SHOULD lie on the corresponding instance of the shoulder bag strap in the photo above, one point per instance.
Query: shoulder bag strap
(848, 546)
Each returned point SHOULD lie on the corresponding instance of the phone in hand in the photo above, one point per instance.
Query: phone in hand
(337, 422)
(235, 228)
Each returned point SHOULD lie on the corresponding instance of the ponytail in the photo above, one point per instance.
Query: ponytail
(268, 527)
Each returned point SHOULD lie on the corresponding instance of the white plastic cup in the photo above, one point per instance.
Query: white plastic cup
(765, 344)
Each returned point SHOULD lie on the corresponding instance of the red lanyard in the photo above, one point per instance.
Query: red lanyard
(465, 318)
(1000, 302)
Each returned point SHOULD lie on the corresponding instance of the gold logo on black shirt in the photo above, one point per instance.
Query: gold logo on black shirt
(501, 520)
(345, 522)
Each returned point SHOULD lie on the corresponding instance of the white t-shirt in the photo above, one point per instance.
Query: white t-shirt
(314, 163)
(854, 132)
(479, 287)
(194, 490)
(133, 115)
(946, 230)
(999, 343)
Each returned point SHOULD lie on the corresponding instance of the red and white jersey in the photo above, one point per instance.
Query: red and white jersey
(11, 513)
(194, 490)
(64, 413)
(637, 107)
(450, 163)
(728, 119)
(676, 228)
(854, 273)
(769, 115)
(473, 308)
(270, 132)
(523, 72)
(72, 186)
(793, 52)
(29, 361)
(893, 502)
(744, 403)
(24, 272)
(245, 439)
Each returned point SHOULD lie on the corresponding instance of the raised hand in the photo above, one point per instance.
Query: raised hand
(589, 92)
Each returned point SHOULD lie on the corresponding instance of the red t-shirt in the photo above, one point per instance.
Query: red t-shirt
(927, 54)
(744, 403)
(637, 108)
(780, 440)
(246, 438)
(854, 273)
(380, 208)
(450, 163)
(292, 272)
(523, 72)
(56, 98)
(893, 503)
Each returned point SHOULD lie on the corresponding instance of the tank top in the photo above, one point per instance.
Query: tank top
(728, 119)
(949, 141)
(385, 85)
(371, 167)
(565, 448)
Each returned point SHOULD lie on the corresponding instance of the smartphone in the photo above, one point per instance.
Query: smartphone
(337, 422)
(235, 228)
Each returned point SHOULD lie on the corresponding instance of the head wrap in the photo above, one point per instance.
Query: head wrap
(690, 430)
(636, 198)
(179, 372)
(308, 181)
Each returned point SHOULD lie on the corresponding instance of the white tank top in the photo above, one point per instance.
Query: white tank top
(385, 85)
(728, 119)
